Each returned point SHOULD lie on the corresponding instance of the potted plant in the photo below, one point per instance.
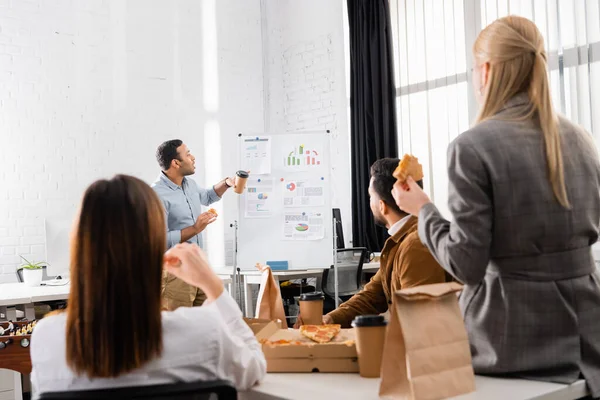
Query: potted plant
(32, 272)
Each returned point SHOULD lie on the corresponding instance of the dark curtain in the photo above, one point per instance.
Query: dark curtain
(373, 109)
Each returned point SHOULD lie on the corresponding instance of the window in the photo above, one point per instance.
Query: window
(571, 31)
(432, 58)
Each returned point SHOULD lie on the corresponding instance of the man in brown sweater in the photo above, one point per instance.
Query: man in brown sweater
(405, 261)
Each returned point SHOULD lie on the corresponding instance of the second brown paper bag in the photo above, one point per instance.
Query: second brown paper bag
(269, 304)
(426, 353)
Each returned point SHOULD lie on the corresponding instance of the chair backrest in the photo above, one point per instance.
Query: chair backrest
(349, 262)
(339, 229)
(45, 276)
(221, 390)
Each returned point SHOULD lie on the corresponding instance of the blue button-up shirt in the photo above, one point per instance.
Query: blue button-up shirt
(183, 204)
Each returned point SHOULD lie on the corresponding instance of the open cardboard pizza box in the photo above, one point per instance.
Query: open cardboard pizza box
(258, 324)
(339, 355)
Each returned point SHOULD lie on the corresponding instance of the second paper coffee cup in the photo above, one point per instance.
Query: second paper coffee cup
(311, 308)
(370, 336)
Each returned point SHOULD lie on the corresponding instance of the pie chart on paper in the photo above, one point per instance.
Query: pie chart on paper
(302, 227)
(291, 186)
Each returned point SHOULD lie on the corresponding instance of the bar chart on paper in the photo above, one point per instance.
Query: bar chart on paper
(302, 157)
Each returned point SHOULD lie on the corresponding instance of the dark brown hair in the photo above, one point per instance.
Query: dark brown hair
(383, 181)
(113, 315)
(167, 152)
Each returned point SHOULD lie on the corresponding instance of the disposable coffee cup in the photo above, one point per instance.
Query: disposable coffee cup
(311, 308)
(240, 181)
(370, 336)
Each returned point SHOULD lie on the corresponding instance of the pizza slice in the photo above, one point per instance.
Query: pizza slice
(408, 166)
(281, 342)
(320, 333)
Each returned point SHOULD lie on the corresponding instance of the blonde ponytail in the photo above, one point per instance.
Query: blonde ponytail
(514, 48)
(539, 95)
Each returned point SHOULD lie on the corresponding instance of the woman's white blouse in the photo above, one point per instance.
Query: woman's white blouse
(201, 343)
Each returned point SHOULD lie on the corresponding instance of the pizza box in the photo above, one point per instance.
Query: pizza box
(339, 355)
(258, 324)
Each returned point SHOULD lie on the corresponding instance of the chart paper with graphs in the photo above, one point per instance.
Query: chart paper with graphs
(285, 213)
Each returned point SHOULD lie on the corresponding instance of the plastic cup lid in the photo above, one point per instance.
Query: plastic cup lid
(311, 296)
(369, 320)
(242, 174)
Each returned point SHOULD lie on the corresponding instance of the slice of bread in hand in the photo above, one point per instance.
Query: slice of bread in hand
(408, 166)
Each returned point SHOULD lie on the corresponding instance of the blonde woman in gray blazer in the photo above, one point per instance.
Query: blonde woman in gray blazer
(524, 193)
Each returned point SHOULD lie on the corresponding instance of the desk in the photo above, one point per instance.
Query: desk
(352, 387)
(371, 267)
(19, 294)
(253, 277)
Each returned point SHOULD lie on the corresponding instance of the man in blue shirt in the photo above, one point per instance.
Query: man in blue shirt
(183, 201)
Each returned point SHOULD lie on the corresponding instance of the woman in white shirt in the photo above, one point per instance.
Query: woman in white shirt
(113, 333)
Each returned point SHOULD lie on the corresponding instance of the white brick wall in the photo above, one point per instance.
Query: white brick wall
(89, 88)
(307, 86)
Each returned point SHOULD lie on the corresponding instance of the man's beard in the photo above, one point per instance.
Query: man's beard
(379, 221)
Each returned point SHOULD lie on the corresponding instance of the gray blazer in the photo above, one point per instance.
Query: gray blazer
(531, 301)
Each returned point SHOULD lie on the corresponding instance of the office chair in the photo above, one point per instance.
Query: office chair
(350, 262)
(200, 390)
(339, 229)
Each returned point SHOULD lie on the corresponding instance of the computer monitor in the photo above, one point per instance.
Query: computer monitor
(337, 215)
(57, 246)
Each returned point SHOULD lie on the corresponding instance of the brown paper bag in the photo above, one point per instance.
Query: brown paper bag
(270, 304)
(426, 353)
